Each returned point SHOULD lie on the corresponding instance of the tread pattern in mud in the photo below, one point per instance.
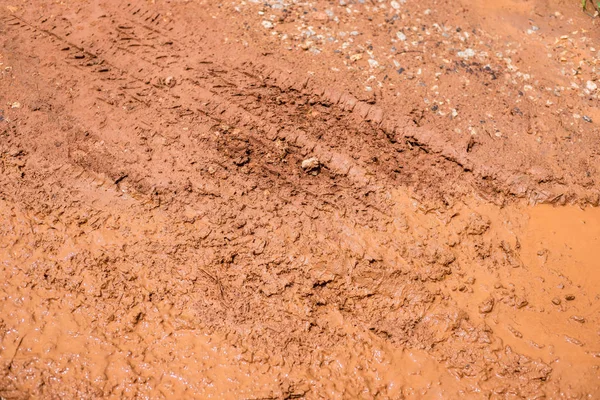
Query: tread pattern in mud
(160, 186)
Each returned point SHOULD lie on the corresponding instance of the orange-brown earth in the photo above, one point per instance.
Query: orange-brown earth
(279, 199)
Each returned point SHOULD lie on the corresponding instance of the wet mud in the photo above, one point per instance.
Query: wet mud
(277, 200)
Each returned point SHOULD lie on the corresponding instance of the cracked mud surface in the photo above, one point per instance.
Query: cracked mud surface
(299, 200)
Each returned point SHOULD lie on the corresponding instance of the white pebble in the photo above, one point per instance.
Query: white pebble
(468, 53)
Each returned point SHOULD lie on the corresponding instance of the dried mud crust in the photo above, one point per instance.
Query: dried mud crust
(161, 238)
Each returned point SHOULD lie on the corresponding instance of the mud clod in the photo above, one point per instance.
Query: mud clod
(487, 306)
(556, 301)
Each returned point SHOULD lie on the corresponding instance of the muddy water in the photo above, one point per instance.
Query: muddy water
(561, 251)
(569, 240)
(89, 347)
(160, 360)
(546, 306)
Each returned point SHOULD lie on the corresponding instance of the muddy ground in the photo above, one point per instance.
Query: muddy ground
(282, 199)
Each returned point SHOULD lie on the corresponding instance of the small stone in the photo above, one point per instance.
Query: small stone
(395, 5)
(470, 281)
(401, 36)
(487, 306)
(569, 297)
(320, 16)
(586, 118)
(311, 165)
(556, 301)
(578, 318)
(591, 86)
(267, 24)
(466, 54)
(306, 45)
(373, 63)
(16, 104)
(170, 81)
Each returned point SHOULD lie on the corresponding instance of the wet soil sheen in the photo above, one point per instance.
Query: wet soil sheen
(281, 199)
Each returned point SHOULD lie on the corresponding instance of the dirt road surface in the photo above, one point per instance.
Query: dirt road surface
(281, 199)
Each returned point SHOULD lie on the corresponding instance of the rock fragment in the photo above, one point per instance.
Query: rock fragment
(311, 165)
(170, 81)
(466, 54)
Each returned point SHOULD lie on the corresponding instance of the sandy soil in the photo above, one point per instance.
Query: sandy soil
(282, 199)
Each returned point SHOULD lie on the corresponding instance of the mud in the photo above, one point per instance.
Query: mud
(299, 200)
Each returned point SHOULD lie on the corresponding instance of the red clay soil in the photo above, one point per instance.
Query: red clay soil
(281, 199)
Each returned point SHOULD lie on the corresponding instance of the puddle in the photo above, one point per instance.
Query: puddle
(561, 274)
(568, 240)
(543, 274)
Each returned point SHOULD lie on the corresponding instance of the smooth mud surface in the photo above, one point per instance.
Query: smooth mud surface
(281, 199)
